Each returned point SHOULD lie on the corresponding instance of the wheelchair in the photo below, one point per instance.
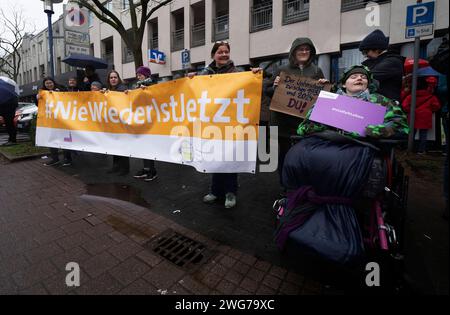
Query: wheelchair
(382, 214)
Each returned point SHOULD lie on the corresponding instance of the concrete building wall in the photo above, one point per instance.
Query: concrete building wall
(327, 26)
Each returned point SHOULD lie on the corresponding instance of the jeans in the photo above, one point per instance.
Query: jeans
(223, 183)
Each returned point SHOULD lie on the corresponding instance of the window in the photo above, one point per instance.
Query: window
(295, 11)
(125, 5)
(261, 15)
(198, 26)
(153, 34)
(178, 34)
(91, 19)
(109, 6)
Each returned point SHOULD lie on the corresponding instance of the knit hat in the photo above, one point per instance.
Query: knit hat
(145, 71)
(357, 69)
(97, 84)
(375, 40)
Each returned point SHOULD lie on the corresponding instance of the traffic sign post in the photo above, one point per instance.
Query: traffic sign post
(186, 59)
(419, 22)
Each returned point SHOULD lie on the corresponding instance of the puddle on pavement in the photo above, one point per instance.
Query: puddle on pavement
(124, 193)
(128, 228)
(117, 191)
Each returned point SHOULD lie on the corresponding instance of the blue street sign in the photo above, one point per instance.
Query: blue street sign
(186, 58)
(420, 14)
(156, 56)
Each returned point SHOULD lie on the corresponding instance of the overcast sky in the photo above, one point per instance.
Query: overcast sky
(33, 11)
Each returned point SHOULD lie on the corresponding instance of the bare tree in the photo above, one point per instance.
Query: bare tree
(139, 10)
(12, 32)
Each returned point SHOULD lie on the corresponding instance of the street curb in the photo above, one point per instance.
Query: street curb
(12, 158)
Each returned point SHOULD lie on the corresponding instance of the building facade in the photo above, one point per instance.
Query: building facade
(260, 31)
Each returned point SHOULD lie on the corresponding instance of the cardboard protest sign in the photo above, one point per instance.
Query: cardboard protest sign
(346, 113)
(295, 95)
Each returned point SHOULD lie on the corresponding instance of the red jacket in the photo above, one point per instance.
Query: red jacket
(426, 104)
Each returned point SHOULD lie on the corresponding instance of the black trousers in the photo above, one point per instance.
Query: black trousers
(55, 156)
(121, 163)
(223, 183)
(8, 116)
(150, 164)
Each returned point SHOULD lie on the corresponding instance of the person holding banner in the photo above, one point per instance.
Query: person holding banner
(89, 76)
(148, 173)
(301, 57)
(121, 164)
(49, 84)
(223, 184)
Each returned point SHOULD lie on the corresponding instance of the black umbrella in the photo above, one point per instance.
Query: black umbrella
(83, 61)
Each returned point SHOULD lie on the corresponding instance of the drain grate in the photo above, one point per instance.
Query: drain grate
(179, 249)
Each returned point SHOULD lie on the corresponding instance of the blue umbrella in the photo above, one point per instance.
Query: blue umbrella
(8, 89)
(83, 61)
(427, 72)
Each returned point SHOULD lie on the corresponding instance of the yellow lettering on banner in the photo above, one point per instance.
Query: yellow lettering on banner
(228, 100)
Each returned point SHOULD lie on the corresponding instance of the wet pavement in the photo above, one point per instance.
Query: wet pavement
(50, 216)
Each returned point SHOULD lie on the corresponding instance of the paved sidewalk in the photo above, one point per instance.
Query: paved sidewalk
(47, 220)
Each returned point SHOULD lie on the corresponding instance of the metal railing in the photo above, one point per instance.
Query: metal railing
(221, 28)
(295, 11)
(261, 18)
(350, 5)
(178, 40)
(198, 35)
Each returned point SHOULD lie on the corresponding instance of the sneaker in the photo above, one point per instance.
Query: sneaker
(150, 177)
(67, 163)
(230, 200)
(209, 198)
(142, 174)
(51, 163)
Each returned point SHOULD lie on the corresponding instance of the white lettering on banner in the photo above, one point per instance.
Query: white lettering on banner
(99, 112)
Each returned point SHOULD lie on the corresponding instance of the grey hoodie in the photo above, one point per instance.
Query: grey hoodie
(287, 124)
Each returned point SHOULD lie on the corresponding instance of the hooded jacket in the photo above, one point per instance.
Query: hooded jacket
(387, 69)
(287, 124)
(426, 104)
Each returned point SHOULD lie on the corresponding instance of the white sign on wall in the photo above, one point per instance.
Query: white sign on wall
(73, 49)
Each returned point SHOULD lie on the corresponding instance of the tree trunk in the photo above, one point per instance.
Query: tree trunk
(137, 54)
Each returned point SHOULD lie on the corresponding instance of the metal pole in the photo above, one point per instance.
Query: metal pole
(412, 112)
(50, 42)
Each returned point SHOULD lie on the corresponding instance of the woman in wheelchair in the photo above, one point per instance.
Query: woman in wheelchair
(327, 171)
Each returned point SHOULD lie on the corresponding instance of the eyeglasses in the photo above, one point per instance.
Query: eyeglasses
(303, 50)
(221, 42)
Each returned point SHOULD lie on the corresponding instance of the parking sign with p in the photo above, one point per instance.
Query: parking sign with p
(420, 19)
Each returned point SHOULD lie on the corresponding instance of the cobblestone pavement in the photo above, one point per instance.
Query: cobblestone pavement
(48, 219)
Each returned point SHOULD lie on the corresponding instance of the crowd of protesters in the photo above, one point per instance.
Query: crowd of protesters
(378, 80)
